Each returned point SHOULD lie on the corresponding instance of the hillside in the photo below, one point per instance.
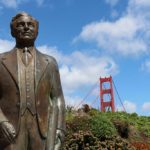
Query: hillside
(89, 129)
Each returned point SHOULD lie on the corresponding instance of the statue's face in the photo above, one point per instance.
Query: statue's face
(25, 29)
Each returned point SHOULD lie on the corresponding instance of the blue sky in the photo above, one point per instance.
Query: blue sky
(92, 38)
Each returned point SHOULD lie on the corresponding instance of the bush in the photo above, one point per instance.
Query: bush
(134, 115)
(79, 123)
(93, 112)
(82, 140)
(102, 127)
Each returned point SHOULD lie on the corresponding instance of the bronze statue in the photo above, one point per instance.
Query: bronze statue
(31, 98)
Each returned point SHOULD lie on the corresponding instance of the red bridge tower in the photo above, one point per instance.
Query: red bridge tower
(109, 91)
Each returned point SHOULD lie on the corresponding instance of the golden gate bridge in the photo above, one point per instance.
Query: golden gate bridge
(107, 88)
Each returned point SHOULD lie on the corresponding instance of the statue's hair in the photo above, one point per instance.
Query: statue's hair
(20, 15)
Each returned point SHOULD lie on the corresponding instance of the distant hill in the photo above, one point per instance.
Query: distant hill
(89, 129)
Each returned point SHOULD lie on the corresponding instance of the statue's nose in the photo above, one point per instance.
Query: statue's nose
(26, 26)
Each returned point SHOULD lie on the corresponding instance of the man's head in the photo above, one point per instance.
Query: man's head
(24, 28)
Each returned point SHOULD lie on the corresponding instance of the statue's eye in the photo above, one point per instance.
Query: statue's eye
(20, 24)
(30, 24)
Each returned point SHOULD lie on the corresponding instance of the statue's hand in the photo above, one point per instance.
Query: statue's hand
(59, 139)
(8, 131)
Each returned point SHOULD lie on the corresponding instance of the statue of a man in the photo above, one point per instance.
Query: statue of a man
(32, 105)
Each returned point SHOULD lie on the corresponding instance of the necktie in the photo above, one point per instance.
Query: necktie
(26, 57)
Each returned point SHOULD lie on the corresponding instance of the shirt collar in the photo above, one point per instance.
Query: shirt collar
(30, 49)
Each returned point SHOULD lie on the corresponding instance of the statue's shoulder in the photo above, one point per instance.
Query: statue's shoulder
(2, 55)
(50, 59)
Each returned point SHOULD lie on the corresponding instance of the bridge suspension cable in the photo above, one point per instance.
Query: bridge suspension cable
(89, 92)
(119, 96)
(94, 101)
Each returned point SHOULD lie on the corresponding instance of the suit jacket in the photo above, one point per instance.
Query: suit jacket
(48, 92)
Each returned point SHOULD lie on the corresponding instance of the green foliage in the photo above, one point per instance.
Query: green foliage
(134, 115)
(69, 117)
(69, 113)
(69, 108)
(79, 123)
(143, 125)
(93, 112)
(102, 127)
(92, 129)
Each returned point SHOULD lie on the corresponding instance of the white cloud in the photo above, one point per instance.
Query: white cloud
(6, 45)
(53, 51)
(16, 3)
(112, 2)
(128, 35)
(146, 106)
(139, 3)
(9, 3)
(130, 106)
(79, 69)
(80, 73)
(72, 101)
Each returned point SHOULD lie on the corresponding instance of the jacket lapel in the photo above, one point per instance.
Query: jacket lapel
(9, 60)
(40, 67)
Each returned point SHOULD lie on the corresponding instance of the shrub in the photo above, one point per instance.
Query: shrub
(93, 112)
(102, 127)
(81, 140)
(134, 115)
(79, 123)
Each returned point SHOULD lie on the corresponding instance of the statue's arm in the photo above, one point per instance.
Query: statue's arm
(7, 131)
(59, 98)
